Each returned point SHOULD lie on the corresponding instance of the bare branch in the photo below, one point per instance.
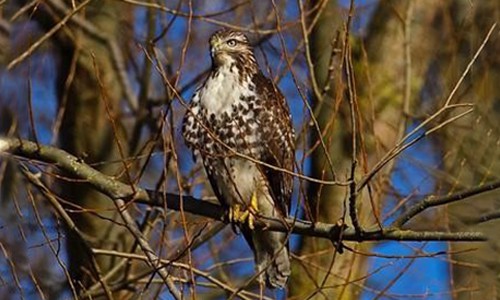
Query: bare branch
(495, 215)
(121, 193)
(432, 201)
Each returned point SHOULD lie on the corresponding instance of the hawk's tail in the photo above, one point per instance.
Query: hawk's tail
(271, 257)
(279, 269)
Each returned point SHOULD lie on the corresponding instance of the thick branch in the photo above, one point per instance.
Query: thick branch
(117, 190)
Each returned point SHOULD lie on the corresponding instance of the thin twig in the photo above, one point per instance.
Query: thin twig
(310, 65)
(351, 92)
(403, 146)
(469, 66)
(315, 122)
(114, 50)
(446, 106)
(188, 267)
(46, 36)
(71, 226)
(251, 29)
(152, 258)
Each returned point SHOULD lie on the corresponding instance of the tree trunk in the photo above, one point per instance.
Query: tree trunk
(89, 97)
(380, 85)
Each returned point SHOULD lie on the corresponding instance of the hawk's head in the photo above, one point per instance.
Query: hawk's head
(229, 47)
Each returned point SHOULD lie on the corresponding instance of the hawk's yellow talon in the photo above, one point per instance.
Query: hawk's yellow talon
(251, 219)
(237, 215)
(254, 202)
(234, 213)
(254, 209)
(243, 216)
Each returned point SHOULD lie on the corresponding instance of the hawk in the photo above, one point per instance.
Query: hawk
(238, 119)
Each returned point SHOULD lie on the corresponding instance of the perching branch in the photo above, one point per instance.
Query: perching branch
(118, 191)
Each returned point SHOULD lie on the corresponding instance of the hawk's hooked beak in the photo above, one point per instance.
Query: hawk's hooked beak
(214, 46)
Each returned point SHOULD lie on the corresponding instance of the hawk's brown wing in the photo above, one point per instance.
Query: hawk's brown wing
(278, 140)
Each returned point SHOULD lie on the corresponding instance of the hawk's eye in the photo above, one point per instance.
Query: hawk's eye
(231, 43)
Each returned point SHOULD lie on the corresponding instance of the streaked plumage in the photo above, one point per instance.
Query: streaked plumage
(238, 108)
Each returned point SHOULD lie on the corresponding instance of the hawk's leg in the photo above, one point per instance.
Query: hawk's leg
(239, 215)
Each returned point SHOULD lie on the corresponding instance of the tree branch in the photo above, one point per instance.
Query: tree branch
(432, 201)
(117, 190)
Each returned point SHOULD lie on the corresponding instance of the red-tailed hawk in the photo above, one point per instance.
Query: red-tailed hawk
(238, 109)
